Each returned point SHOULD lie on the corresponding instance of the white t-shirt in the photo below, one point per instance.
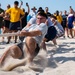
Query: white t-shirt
(33, 21)
(33, 14)
(59, 26)
(49, 22)
(42, 27)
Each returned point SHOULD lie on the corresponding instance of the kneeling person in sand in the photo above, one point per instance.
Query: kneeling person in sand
(33, 37)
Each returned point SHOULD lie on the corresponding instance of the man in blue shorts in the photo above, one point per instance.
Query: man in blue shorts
(15, 13)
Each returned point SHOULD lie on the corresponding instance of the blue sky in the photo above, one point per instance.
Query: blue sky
(53, 5)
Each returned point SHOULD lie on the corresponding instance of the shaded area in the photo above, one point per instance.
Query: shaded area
(65, 48)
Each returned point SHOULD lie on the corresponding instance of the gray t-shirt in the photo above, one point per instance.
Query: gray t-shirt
(49, 22)
(42, 27)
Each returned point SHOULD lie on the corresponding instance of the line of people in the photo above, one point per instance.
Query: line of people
(21, 19)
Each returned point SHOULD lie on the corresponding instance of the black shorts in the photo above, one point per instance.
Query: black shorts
(15, 25)
(20, 45)
(37, 50)
(64, 24)
(51, 33)
(1, 23)
(6, 23)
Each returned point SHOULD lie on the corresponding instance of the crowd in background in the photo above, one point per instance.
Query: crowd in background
(16, 18)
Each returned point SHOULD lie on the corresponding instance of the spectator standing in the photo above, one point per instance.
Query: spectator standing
(32, 14)
(64, 22)
(24, 18)
(1, 17)
(59, 17)
(6, 22)
(71, 18)
(47, 11)
(14, 13)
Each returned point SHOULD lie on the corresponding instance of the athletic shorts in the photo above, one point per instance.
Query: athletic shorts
(15, 25)
(70, 26)
(6, 23)
(51, 33)
(20, 45)
(1, 23)
(64, 25)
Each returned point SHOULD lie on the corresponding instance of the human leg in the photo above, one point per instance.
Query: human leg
(13, 51)
(14, 27)
(71, 32)
(10, 59)
(31, 49)
(43, 45)
(54, 41)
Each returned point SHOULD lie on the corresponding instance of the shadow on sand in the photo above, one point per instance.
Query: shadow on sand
(53, 61)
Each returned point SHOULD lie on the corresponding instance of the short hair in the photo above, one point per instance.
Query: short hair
(46, 7)
(49, 14)
(8, 6)
(57, 12)
(40, 9)
(16, 2)
(52, 16)
(42, 14)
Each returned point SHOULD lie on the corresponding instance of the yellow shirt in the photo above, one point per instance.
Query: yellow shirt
(15, 14)
(59, 19)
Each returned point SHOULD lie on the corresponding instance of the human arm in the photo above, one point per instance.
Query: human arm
(7, 12)
(28, 7)
(23, 33)
(74, 23)
(2, 14)
(22, 15)
(31, 33)
(21, 4)
(35, 31)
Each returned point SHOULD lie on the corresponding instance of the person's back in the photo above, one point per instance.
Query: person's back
(60, 26)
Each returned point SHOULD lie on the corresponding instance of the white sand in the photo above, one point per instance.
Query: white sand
(60, 62)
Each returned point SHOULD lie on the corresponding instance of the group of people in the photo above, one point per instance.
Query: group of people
(67, 21)
(37, 27)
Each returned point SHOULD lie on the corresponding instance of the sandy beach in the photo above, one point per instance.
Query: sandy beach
(57, 61)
